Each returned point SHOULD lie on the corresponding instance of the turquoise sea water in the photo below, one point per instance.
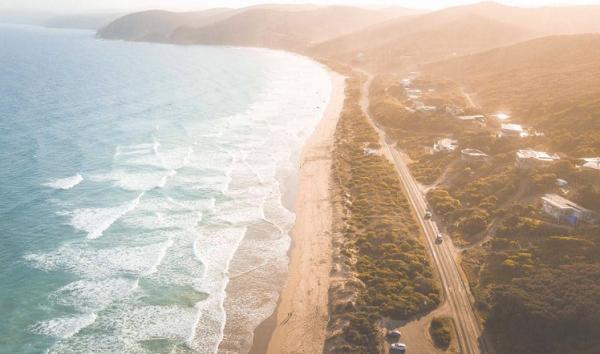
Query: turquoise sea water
(141, 190)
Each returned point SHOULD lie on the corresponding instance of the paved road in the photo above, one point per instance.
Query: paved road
(456, 288)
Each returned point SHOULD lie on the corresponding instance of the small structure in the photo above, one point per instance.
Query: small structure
(422, 107)
(445, 145)
(473, 155)
(453, 110)
(426, 108)
(561, 183)
(472, 118)
(512, 130)
(527, 159)
(501, 116)
(565, 211)
(406, 82)
(592, 163)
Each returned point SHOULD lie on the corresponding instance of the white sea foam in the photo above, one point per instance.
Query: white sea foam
(95, 221)
(65, 183)
(100, 263)
(140, 181)
(64, 327)
(124, 327)
(215, 249)
(89, 295)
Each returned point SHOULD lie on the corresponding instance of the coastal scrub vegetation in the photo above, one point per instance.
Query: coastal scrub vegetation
(381, 241)
(440, 330)
(534, 279)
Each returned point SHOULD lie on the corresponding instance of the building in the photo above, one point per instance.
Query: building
(422, 107)
(565, 211)
(426, 108)
(473, 155)
(472, 118)
(592, 163)
(512, 130)
(527, 159)
(445, 145)
(453, 110)
(502, 116)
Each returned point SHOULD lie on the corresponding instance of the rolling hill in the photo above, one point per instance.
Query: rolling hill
(550, 83)
(157, 25)
(277, 28)
(292, 27)
(402, 43)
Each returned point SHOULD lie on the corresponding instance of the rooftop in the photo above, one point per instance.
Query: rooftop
(473, 117)
(445, 144)
(537, 155)
(501, 116)
(512, 127)
(562, 203)
(591, 162)
(473, 152)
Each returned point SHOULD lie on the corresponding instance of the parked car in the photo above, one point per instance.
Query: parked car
(397, 348)
(439, 238)
(394, 335)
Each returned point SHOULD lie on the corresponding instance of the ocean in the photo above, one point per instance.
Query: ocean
(145, 190)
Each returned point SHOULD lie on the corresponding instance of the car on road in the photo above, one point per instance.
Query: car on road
(394, 335)
(397, 348)
(439, 238)
(427, 215)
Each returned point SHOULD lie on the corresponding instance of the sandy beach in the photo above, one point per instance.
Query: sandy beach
(300, 320)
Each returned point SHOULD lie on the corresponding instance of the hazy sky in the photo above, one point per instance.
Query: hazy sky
(87, 5)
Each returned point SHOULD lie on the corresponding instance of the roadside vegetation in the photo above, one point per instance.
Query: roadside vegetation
(441, 329)
(381, 243)
(535, 281)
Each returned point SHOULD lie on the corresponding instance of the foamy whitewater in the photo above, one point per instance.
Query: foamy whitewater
(142, 190)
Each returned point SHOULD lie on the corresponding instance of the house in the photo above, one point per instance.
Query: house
(405, 82)
(426, 108)
(472, 118)
(561, 183)
(527, 159)
(512, 130)
(415, 92)
(453, 110)
(565, 211)
(592, 163)
(445, 145)
(473, 155)
(502, 116)
(420, 106)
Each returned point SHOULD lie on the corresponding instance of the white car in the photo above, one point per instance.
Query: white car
(439, 238)
(397, 348)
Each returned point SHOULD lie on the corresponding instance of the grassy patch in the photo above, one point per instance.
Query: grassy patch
(440, 330)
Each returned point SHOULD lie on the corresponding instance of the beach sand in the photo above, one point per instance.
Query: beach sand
(300, 320)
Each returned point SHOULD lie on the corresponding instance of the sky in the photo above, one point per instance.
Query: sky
(78, 6)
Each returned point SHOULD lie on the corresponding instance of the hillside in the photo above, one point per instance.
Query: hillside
(157, 25)
(276, 26)
(402, 43)
(550, 83)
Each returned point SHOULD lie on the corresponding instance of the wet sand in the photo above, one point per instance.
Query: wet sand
(299, 323)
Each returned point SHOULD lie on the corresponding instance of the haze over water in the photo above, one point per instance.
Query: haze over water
(136, 180)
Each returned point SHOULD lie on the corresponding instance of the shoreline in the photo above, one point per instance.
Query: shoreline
(299, 321)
